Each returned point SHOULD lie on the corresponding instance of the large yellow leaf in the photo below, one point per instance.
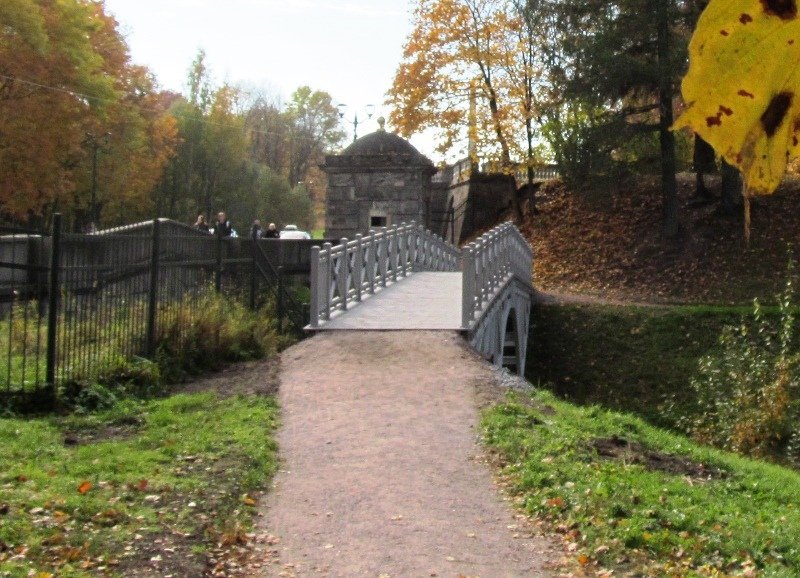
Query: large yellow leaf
(743, 86)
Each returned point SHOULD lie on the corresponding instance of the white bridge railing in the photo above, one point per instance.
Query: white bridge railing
(488, 264)
(343, 273)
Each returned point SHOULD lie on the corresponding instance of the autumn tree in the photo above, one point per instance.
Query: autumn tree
(313, 130)
(265, 123)
(455, 47)
(65, 78)
(46, 56)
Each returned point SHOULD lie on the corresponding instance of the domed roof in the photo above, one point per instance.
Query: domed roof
(381, 142)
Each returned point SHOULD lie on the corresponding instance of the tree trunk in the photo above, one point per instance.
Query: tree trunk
(505, 152)
(671, 222)
(731, 190)
(532, 210)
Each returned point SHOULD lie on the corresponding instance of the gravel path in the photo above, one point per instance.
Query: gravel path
(381, 474)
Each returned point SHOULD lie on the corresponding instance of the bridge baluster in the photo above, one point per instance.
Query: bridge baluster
(468, 286)
(314, 305)
(371, 262)
(393, 253)
(404, 251)
(358, 266)
(384, 255)
(342, 275)
(328, 272)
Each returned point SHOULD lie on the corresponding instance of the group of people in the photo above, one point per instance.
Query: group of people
(224, 228)
(270, 233)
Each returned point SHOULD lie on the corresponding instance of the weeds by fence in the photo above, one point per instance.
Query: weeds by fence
(73, 307)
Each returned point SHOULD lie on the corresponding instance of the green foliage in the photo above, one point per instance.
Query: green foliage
(115, 378)
(213, 331)
(582, 144)
(617, 59)
(641, 152)
(709, 513)
(748, 387)
(244, 155)
(636, 359)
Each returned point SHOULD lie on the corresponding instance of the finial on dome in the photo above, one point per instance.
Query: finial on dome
(381, 123)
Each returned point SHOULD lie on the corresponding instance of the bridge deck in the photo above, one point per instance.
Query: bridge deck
(424, 300)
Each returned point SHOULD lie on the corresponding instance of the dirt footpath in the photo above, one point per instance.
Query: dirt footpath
(381, 474)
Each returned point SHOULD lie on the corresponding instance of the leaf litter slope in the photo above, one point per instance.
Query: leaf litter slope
(608, 245)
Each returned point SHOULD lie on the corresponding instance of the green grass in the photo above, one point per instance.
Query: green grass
(636, 359)
(617, 514)
(88, 491)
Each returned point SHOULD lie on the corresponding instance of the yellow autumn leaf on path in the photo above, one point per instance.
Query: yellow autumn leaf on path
(743, 86)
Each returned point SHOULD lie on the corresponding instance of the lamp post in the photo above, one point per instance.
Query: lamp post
(96, 143)
(369, 109)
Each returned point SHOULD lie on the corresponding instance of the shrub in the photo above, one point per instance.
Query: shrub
(748, 387)
(210, 331)
(114, 378)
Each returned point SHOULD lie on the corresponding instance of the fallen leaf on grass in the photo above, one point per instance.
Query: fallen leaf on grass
(557, 502)
(84, 487)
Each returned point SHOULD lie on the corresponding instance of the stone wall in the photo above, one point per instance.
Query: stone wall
(356, 196)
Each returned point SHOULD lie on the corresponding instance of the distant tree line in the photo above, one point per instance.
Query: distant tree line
(86, 132)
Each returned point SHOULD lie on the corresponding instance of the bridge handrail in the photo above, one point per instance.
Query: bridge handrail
(341, 274)
(488, 263)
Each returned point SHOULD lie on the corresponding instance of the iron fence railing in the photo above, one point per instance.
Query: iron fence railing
(73, 306)
(26, 354)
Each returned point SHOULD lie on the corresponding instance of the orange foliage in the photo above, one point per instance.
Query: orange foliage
(65, 72)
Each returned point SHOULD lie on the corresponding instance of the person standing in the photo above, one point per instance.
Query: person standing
(200, 224)
(255, 230)
(223, 226)
(271, 232)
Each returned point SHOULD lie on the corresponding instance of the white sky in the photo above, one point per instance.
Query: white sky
(348, 48)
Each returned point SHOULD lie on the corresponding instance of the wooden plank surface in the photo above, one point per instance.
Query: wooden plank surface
(424, 300)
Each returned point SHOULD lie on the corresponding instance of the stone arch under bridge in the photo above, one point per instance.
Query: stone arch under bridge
(501, 335)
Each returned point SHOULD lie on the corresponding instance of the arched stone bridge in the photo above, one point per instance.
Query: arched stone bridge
(406, 278)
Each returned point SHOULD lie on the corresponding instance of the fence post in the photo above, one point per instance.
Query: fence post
(253, 252)
(218, 271)
(152, 295)
(52, 311)
(281, 307)
(315, 288)
(341, 275)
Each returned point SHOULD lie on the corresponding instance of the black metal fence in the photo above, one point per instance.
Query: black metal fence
(75, 306)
